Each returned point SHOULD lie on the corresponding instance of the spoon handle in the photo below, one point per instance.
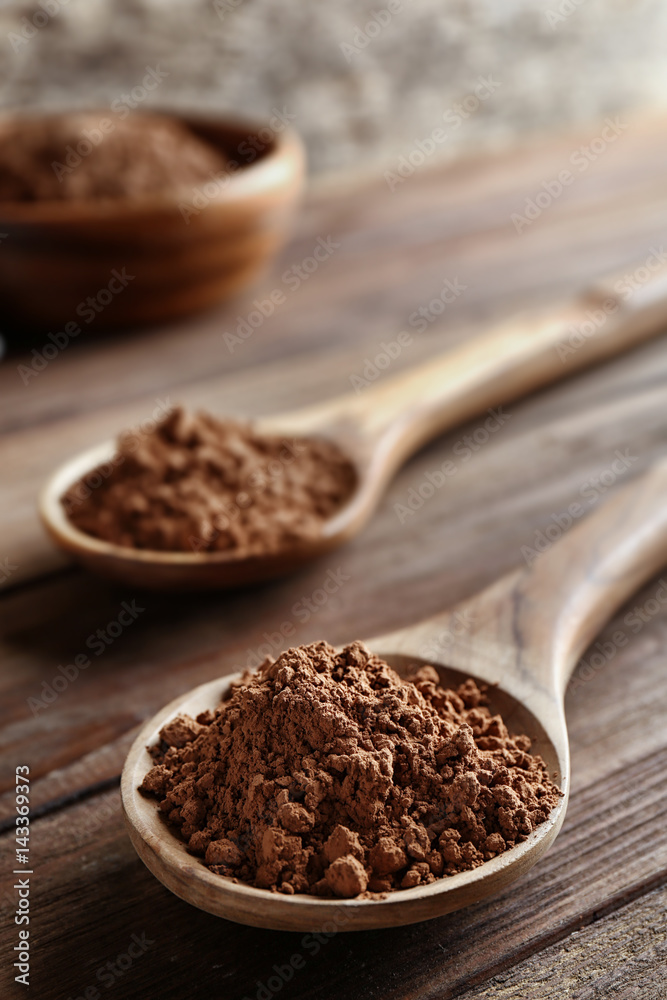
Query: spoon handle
(573, 588)
(530, 628)
(529, 351)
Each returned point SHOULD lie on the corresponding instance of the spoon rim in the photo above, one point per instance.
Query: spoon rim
(168, 854)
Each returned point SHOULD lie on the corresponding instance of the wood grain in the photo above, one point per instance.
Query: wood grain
(622, 955)
(395, 253)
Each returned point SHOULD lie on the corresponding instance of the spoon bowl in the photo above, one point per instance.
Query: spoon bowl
(203, 570)
(157, 570)
(377, 429)
(521, 636)
(166, 856)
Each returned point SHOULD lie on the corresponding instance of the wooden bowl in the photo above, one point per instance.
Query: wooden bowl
(55, 254)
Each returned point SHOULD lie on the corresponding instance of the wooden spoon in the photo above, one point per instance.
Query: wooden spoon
(382, 425)
(524, 634)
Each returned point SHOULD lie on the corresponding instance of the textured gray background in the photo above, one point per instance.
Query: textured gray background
(607, 56)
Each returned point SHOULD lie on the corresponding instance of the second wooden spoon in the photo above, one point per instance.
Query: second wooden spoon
(384, 424)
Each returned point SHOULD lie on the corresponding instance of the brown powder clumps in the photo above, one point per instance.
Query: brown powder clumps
(199, 484)
(86, 156)
(326, 773)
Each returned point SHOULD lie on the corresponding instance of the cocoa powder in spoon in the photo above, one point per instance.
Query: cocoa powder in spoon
(326, 773)
(199, 484)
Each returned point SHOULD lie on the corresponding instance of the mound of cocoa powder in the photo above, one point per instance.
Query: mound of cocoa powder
(326, 773)
(199, 484)
(84, 156)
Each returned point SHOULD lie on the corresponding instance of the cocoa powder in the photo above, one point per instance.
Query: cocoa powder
(326, 773)
(87, 156)
(199, 484)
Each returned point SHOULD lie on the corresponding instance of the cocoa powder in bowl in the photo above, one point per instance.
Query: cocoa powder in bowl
(199, 484)
(85, 156)
(326, 773)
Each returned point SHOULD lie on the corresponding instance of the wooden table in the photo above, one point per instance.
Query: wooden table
(589, 920)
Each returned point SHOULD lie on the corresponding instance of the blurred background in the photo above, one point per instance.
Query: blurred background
(363, 79)
(436, 132)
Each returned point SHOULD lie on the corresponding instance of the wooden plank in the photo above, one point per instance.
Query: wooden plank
(88, 881)
(623, 955)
